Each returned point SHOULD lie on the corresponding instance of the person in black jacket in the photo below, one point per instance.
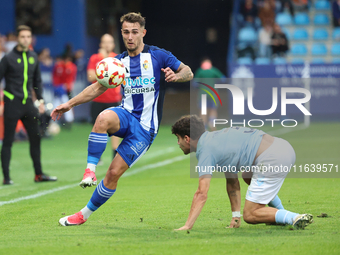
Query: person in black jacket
(21, 70)
(279, 43)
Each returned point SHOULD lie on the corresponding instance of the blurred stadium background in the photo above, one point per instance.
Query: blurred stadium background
(229, 32)
(73, 25)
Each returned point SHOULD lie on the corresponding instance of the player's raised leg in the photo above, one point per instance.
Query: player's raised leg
(106, 122)
(134, 145)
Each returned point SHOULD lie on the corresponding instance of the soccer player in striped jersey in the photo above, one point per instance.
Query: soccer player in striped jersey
(136, 120)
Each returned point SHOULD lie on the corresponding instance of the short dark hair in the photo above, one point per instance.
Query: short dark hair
(190, 125)
(23, 28)
(133, 17)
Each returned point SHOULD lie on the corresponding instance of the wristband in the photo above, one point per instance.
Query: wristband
(236, 214)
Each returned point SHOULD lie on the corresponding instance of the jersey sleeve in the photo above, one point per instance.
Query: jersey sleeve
(37, 85)
(167, 59)
(206, 163)
(92, 63)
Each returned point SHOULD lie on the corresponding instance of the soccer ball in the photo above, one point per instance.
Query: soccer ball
(110, 72)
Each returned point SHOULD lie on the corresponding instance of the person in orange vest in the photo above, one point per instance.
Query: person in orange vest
(59, 87)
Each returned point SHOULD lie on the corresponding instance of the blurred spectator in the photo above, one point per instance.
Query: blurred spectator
(111, 97)
(249, 11)
(59, 87)
(11, 42)
(46, 68)
(2, 47)
(81, 63)
(265, 38)
(207, 70)
(287, 6)
(244, 50)
(267, 13)
(279, 42)
(70, 74)
(336, 13)
(300, 5)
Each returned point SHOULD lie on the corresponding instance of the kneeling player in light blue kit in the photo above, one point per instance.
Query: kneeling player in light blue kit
(136, 120)
(240, 148)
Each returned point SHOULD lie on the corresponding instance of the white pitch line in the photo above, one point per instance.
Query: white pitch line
(39, 194)
(132, 172)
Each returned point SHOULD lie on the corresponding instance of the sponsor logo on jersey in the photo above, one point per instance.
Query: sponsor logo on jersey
(138, 81)
(138, 90)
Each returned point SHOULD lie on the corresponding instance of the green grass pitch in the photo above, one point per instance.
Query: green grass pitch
(154, 200)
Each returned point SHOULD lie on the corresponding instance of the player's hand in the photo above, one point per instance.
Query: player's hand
(59, 110)
(183, 228)
(235, 222)
(170, 75)
(41, 108)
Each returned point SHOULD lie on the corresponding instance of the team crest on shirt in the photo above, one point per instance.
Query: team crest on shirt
(146, 65)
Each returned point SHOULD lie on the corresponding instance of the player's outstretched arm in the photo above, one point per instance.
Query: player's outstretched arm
(88, 94)
(182, 74)
(198, 202)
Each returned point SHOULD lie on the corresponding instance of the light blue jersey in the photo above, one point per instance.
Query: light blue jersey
(230, 147)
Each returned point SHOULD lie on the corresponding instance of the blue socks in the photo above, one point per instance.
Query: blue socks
(276, 203)
(99, 196)
(285, 217)
(96, 146)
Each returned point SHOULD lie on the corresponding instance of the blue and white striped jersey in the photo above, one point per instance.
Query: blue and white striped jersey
(143, 95)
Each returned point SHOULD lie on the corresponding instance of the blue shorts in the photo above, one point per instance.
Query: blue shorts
(136, 140)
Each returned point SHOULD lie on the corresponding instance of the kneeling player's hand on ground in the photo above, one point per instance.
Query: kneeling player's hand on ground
(235, 222)
(183, 228)
(59, 110)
